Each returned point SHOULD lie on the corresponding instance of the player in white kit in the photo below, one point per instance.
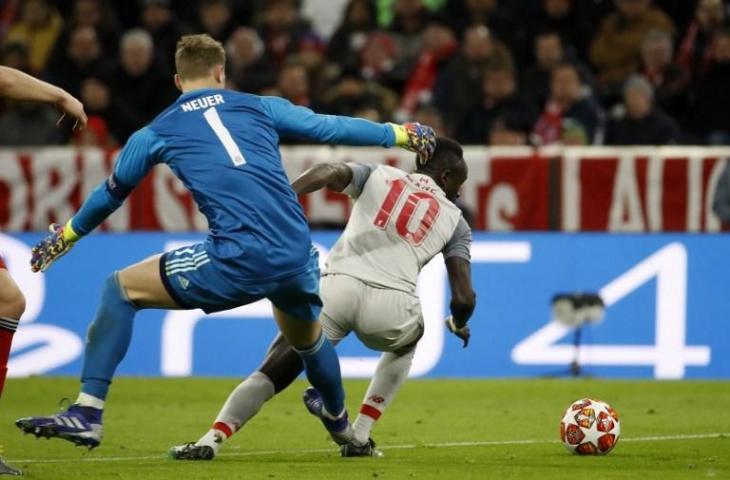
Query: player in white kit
(399, 222)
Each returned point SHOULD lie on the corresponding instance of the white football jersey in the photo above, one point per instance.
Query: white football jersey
(399, 222)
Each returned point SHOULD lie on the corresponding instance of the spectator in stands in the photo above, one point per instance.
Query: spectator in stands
(615, 52)
(504, 134)
(438, 46)
(561, 16)
(458, 87)
(638, 121)
(39, 27)
(82, 58)
(488, 13)
(311, 54)
(350, 37)
(159, 20)
(429, 115)
(216, 19)
(351, 93)
(96, 14)
(26, 123)
(695, 52)
(669, 81)
(379, 62)
(500, 100)
(249, 70)
(549, 53)
(282, 29)
(109, 111)
(711, 119)
(410, 20)
(141, 82)
(293, 84)
(569, 110)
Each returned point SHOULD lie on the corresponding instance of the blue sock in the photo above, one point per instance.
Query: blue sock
(323, 372)
(107, 339)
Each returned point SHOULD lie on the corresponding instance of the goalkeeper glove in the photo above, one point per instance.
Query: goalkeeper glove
(416, 138)
(462, 332)
(54, 246)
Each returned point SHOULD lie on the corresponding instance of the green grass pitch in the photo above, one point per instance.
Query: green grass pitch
(440, 429)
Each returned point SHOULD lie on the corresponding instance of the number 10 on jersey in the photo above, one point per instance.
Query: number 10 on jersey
(416, 202)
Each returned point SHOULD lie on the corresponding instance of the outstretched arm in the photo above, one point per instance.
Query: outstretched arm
(20, 86)
(335, 176)
(349, 178)
(134, 161)
(290, 119)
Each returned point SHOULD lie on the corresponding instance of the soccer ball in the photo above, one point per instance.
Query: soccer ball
(590, 427)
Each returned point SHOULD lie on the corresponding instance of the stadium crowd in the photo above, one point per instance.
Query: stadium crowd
(517, 72)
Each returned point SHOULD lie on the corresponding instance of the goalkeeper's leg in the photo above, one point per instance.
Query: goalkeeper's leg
(138, 286)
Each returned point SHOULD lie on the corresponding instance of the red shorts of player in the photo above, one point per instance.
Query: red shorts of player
(2, 263)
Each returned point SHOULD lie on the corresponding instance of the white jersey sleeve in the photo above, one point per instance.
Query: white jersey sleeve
(399, 222)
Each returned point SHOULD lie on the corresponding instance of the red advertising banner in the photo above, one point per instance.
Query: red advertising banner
(571, 189)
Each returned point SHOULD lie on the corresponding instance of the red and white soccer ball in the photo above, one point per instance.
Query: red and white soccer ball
(590, 427)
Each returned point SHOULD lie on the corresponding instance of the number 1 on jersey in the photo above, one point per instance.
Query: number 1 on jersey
(407, 212)
(220, 130)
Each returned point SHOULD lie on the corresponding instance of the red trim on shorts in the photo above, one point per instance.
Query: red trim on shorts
(2, 264)
(370, 411)
(223, 428)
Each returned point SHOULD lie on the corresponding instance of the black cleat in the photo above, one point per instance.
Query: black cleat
(368, 450)
(191, 451)
(6, 469)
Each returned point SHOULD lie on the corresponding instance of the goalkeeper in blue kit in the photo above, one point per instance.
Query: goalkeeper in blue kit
(223, 146)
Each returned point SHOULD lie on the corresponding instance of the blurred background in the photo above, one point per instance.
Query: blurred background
(596, 133)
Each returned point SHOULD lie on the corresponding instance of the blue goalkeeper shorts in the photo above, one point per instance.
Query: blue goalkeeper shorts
(193, 281)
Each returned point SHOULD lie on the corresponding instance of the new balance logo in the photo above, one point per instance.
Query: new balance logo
(376, 399)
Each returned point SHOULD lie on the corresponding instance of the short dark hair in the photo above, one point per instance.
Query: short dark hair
(447, 155)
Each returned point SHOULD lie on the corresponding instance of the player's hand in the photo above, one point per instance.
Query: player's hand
(73, 108)
(51, 248)
(462, 332)
(416, 138)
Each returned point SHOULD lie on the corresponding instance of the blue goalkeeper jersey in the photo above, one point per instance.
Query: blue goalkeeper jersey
(224, 147)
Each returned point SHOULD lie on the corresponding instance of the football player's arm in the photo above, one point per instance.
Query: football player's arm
(458, 265)
(132, 164)
(349, 178)
(290, 119)
(21, 86)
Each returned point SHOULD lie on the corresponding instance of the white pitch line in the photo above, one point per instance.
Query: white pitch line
(261, 453)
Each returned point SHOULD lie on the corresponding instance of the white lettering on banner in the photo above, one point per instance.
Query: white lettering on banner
(95, 171)
(53, 346)
(503, 203)
(178, 327)
(712, 222)
(18, 206)
(669, 355)
(571, 192)
(500, 172)
(625, 214)
(654, 189)
(694, 192)
(53, 201)
(170, 211)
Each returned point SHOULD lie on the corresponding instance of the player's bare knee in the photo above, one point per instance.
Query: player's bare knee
(13, 305)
